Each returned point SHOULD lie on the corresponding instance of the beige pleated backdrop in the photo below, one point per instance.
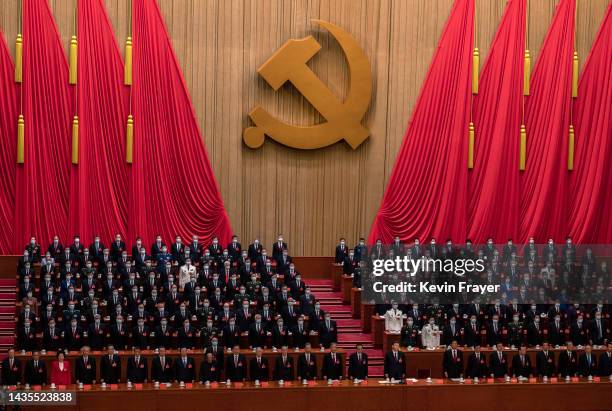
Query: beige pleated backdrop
(312, 197)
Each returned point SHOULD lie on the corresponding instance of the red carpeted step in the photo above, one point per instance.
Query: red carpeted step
(330, 295)
(355, 337)
(376, 371)
(11, 282)
(319, 281)
(7, 310)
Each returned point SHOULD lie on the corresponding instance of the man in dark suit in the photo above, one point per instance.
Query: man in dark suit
(568, 361)
(184, 367)
(498, 362)
(35, 370)
(209, 370)
(328, 332)
(605, 362)
(137, 368)
(307, 364)
(258, 367)
(26, 337)
(217, 352)
(85, 367)
(110, 367)
(333, 366)
(161, 367)
(545, 361)
(11, 369)
(235, 366)
(395, 363)
(521, 364)
(477, 364)
(341, 251)
(255, 250)
(358, 364)
(117, 247)
(283, 366)
(277, 249)
(234, 248)
(587, 364)
(452, 362)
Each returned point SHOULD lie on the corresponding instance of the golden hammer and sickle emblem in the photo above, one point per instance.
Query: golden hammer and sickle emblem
(343, 118)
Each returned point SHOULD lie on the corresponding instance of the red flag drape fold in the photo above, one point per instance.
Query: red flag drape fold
(591, 180)
(173, 188)
(547, 118)
(100, 195)
(427, 190)
(43, 181)
(8, 141)
(494, 181)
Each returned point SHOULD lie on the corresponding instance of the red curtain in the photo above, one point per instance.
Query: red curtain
(427, 192)
(100, 196)
(8, 141)
(494, 180)
(547, 118)
(173, 188)
(43, 181)
(591, 180)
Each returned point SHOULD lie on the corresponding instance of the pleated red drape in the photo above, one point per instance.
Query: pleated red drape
(8, 141)
(591, 181)
(494, 194)
(173, 188)
(547, 118)
(426, 194)
(102, 173)
(43, 181)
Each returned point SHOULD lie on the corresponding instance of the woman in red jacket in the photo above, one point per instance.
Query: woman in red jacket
(60, 371)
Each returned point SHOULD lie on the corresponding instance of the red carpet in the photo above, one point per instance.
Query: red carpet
(7, 314)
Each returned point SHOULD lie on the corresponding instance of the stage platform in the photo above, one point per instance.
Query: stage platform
(438, 395)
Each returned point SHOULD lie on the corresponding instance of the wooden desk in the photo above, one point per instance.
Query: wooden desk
(378, 327)
(356, 302)
(347, 396)
(367, 310)
(346, 286)
(336, 276)
(389, 339)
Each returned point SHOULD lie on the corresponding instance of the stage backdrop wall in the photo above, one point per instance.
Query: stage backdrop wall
(312, 197)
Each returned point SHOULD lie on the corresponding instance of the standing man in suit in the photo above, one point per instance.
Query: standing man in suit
(36, 370)
(137, 368)
(110, 367)
(395, 363)
(283, 366)
(209, 370)
(161, 367)
(333, 366)
(587, 365)
(452, 363)
(605, 362)
(235, 366)
(545, 361)
(521, 364)
(477, 364)
(278, 248)
(328, 332)
(341, 251)
(258, 367)
(11, 369)
(85, 367)
(498, 362)
(184, 367)
(307, 364)
(568, 361)
(358, 364)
